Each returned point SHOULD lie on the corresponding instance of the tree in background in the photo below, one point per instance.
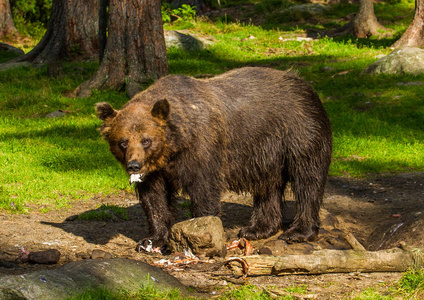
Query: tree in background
(135, 52)
(364, 24)
(35, 12)
(414, 35)
(200, 5)
(72, 32)
(6, 21)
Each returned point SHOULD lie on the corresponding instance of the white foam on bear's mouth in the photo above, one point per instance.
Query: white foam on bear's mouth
(136, 178)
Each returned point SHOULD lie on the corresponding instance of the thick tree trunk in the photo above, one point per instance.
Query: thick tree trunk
(414, 35)
(135, 51)
(6, 21)
(72, 32)
(364, 24)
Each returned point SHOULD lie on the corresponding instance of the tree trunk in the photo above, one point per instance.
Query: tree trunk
(327, 261)
(414, 35)
(135, 51)
(103, 18)
(72, 32)
(6, 21)
(363, 25)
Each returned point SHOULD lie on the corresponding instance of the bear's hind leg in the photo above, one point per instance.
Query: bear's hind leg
(205, 199)
(308, 195)
(267, 215)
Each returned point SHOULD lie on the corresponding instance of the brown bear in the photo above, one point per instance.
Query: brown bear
(248, 130)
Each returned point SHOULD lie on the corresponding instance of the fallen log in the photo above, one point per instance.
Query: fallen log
(328, 261)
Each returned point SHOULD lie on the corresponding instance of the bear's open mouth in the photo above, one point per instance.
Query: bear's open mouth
(136, 178)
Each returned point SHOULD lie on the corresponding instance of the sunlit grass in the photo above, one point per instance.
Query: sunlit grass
(377, 124)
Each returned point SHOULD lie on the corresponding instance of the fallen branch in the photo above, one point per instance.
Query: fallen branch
(353, 242)
(328, 261)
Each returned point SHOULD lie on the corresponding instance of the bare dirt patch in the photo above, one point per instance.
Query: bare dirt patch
(380, 212)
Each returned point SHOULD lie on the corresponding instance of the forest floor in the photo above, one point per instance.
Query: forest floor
(380, 212)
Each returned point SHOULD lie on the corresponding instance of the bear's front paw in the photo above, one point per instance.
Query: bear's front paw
(151, 245)
(255, 233)
(294, 235)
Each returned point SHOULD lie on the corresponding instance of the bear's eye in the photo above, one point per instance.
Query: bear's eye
(146, 142)
(123, 144)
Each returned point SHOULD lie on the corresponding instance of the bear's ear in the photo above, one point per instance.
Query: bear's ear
(105, 111)
(161, 109)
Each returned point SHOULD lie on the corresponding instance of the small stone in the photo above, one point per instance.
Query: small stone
(265, 251)
(100, 254)
(50, 256)
(55, 114)
(82, 255)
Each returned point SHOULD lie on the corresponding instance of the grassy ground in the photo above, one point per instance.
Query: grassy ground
(410, 286)
(377, 124)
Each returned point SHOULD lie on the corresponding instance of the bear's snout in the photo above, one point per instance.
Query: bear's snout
(133, 166)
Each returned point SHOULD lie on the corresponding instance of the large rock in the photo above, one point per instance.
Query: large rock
(6, 47)
(72, 278)
(184, 41)
(313, 9)
(203, 235)
(404, 60)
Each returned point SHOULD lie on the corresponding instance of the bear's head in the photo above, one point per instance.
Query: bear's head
(136, 135)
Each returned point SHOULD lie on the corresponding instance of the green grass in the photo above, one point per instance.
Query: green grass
(52, 161)
(410, 286)
(377, 125)
(145, 292)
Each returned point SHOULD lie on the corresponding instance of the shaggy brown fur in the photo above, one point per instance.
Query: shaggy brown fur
(248, 130)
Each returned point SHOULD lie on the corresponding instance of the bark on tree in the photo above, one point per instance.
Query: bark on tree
(103, 18)
(7, 27)
(414, 35)
(72, 32)
(135, 52)
(364, 24)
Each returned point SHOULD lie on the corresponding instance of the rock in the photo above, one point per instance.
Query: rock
(100, 254)
(6, 47)
(265, 251)
(187, 42)
(404, 60)
(75, 277)
(55, 114)
(50, 256)
(203, 235)
(312, 9)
